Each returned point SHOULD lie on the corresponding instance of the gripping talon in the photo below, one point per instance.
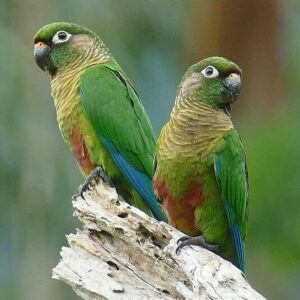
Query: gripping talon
(91, 178)
(196, 241)
(182, 239)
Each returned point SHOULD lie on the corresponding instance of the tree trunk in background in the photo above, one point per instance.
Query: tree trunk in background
(247, 32)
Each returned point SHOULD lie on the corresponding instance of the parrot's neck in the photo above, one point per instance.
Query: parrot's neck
(65, 85)
(64, 90)
(197, 125)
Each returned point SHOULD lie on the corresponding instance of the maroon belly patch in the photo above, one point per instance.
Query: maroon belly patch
(81, 152)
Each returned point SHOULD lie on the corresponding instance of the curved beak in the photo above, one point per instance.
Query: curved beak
(232, 84)
(42, 55)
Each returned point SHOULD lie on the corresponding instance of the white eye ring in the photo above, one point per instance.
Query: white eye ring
(210, 72)
(61, 37)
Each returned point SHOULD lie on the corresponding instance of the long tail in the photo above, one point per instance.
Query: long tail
(140, 181)
(237, 238)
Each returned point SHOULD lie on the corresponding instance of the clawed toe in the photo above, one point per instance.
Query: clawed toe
(182, 239)
(104, 177)
(91, 178)
(195, 241)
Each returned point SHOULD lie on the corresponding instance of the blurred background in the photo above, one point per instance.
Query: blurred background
(155, 42)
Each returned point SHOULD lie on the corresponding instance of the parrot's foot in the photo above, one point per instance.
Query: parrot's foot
(196, 241)
(92, 178)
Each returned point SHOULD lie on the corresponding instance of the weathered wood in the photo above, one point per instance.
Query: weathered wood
(121, 253)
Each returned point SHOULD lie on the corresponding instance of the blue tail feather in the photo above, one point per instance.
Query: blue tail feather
(141, 181)
(237, 238)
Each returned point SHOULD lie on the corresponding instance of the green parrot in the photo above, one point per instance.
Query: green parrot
(201, 173)
(99, 113)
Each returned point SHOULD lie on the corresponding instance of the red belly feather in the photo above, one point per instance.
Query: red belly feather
(181, 210)
(81, 152)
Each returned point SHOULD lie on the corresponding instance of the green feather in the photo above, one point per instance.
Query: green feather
(231, 174)
(201, 174)
(99, 113)
(117, 114)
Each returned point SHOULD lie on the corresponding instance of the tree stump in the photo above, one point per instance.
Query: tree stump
(121, 253)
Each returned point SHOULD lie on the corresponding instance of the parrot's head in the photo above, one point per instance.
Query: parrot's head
(215, 81)
(60, 45)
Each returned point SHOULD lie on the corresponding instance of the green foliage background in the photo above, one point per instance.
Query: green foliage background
(155, 41)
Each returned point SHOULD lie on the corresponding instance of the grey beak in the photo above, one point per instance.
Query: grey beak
(41, 56)
(232, 83)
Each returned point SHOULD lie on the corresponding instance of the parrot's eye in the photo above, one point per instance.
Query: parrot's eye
(61, 37)
(210, 72)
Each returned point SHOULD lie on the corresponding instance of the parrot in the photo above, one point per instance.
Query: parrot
(201, 175)
(99, 114)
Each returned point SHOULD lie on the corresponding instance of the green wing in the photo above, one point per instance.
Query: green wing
(122, 126)
(117, 114)
(232, 176)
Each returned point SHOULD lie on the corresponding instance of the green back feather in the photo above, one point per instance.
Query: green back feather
(117, 114)
(232, 176)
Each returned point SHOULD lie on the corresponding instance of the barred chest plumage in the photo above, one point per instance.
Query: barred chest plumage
(72, 121)
(194, 128)
(65, 85)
